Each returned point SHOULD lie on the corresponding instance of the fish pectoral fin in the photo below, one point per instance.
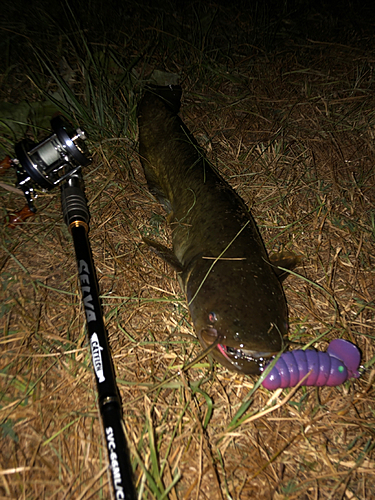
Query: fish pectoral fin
(164, 253)
(286, 260)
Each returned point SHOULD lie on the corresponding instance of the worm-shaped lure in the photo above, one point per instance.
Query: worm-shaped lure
(333, 367)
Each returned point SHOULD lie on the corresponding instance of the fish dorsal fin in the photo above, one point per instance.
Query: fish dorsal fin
(164, 253)
(286, 260)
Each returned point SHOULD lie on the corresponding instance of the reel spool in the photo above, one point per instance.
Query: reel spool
(48, 163)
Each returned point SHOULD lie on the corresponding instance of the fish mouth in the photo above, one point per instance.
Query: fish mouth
(240, 358)
(236, 355)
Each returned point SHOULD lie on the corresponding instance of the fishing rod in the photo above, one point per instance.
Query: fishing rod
(58, 161)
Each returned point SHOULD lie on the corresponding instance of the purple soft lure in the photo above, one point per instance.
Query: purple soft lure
(333, 367)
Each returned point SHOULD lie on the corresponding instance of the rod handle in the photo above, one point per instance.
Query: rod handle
(74, 203)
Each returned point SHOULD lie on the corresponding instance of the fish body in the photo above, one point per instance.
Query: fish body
(233, 292)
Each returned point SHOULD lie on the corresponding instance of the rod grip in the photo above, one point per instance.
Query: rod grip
(74, 205)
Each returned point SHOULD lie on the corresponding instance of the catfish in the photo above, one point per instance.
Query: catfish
(233, 291)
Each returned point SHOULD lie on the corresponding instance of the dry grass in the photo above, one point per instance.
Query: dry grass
(293, 132)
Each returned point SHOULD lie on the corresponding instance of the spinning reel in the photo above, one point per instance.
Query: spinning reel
(47, 164)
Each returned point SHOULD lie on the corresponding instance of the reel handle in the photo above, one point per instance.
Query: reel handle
(20, 216)
(5, 163)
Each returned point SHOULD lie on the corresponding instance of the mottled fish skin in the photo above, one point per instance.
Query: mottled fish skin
(237, 298)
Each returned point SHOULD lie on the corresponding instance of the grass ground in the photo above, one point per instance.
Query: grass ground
(282, 100)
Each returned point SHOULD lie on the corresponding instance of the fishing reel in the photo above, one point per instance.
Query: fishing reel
(50, 162)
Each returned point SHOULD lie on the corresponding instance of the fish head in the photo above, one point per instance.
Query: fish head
(247, 318)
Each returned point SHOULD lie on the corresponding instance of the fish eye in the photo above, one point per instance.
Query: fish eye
(212, 317)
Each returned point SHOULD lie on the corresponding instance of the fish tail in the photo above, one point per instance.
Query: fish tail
(170, 94)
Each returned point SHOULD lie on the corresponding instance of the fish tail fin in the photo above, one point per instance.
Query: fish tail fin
(169, 94)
